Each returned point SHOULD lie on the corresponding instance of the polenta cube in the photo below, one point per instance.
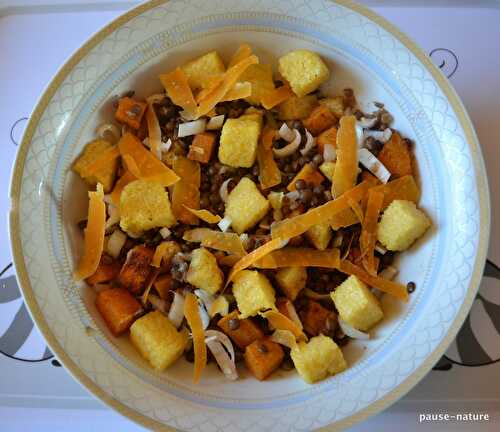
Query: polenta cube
(105, 175)
(327, 168)
(319, 235)
(238, 142)
(245, 205)
(253, 293)
(304, 70)
(143, 206)
(203, 272)
(318, 358)
(158, 341)
(401, 224)
(199, 71)
(356, 304)
(291, 280)
(297, 108)
(260, 76)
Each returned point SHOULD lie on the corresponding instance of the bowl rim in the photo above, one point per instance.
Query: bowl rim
(377, 406)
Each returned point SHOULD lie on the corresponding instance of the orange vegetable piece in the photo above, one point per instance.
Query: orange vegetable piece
(403, 188)
(368, 236)
(269, 173)
(106, 271)
(357, 210)
(118, 308)
(202, 147)
(93, 235)
(192, 314)
(393, 288)
(177, 88)
(240, 90)
(300, 257)
(317, 319)
(154, 131)
(243, 51)
(227, 242)
(263, 357)
(108, 156)
(277, 96)
(136, 269)
(163, 286)
(123, 181)
(244, 332)
(130, 112)
(205, 215)
(228, 260)
(320, 120)
(346, 167)
(131, 166)
(309, 174)
(278, 321)
(396, 157)
(164, 252)
(186, 192)
(343, 219)
(327, 137)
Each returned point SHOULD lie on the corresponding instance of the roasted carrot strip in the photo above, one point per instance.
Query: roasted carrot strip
(192, 314)
(403, 188)
(164, 252)
(131, 166)
(356, 208)
(368, 236)
(269, 173)
(186, 192)
(243, 51)
(277, 96)
(154, 131)
(204, 215)
(226, 242)
(177, 87)
(240, 90)
(281, 322)
(300, 257)
(346, 167)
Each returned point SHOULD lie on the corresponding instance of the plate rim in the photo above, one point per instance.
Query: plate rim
(392, 396)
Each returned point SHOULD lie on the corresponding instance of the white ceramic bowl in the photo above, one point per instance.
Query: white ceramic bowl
(364, 52)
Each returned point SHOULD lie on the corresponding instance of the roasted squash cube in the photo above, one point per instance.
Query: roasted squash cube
(297, 108)
(304, 70)
(401, 224)
(204, 273)
(202, 147)
(242, 331)
(356, 304)
(320, 120)
(317, 359)
(260, 76)
(163, 286)
(335, 104)
(130, 112)
(329, 137)
(107, 270)
(158, 341)
(245, 205)
(238, 142)
(396, 157)
(263, 357)
(118, 308)
(319, 235)
(309, 174)
(253, 293)
(136, 269)
(200, 70)
(291, 280)
(317, 319)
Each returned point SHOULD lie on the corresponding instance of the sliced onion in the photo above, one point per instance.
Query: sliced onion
(382, 136)
(165, 232)
(223, 192)
(244, 238)
(351, 331)
(308, 292)
(371, 163)
(223, 351)
(329, 153)
(158, 303)
(289, 148)
(389, 273)
(109, 128)
(293, 195)
(367, 123)
(205, 297)
(107, 199)
(176, 312)
(114, 217)
(360, 137)
(380, 249)
(292, 314)
(215, 122)
(284, 337)
(310, 143)
(191, 128)
(205, 318)
(116, 241)
(165, 146)
(286, 133)
(225, 223)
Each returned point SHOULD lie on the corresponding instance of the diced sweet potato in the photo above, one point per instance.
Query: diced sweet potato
(316, 319)
(130, 112)
(118, 308)
(202, 147)
(396, 157)
(327, 137)
(242, 331)
(108, 269)
(263, 357)
(136, 269)
(320, 120)
(309, 174)
(163, 285)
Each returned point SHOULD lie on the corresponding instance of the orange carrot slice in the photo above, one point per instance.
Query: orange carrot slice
(368, 236)
(164, 252)
(269, 173)
(123, 181)
(277, 96)
(131, 166)
(300, 257)
(309, 174)
(94, 235)
(192, 314)
(186, 192)
(346, 167)
(108, 156)
(226, 242)
(154, 131)
(240, 90)
(403, 188)
(343, 219)
(204, 215)
(177, 87)
(356, 208)
(243, 51)
(278, 321)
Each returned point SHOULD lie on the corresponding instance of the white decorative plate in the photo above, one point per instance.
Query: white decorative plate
(365, 53)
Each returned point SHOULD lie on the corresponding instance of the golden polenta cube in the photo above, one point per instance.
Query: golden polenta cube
(260, 76)
(297, 108)
(158, 341)
(291, 280)
(356, 304)
(401, 224)
(304, 70)
(144, 205)
(245, 205)
(319, 235)
(327, 168)
(199, 71)
(91, 153)
(335, 104)
(318, 358)
(238, 141)
(203, 272)
(253, 293)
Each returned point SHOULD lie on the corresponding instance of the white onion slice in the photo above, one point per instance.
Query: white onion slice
(293, 195)
(205, 318)
(329, 153)
(109, 128)
(116, 241)
(114, 217)
(310, 143)
(360, 137)
(165, 232)
(351, 331)
(191, 128)
(215, 122)
(292, 313)
(158, 303)
(205, 297)
(222, 349)
(176, 312)
(367, 123)
(289, 148)
(225, 223)
(380, 249)
(370, 162)
(286, 133)
(223, 192)
(382, 136)
(284, 337)
(165, 146)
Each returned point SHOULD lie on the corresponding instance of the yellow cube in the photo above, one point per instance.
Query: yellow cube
(203, 272)
(401, 224)
(245, 205)
(335, 104)
(304, 70)
(261, 78)
(143, 206)
(318, 358)
(199, 71)
(158, 341)
(291, 280)
(238, 142)
(327, 168)
(356, 304)
(297, 108)
(319, 235)
(253, 293)
(105, 175)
